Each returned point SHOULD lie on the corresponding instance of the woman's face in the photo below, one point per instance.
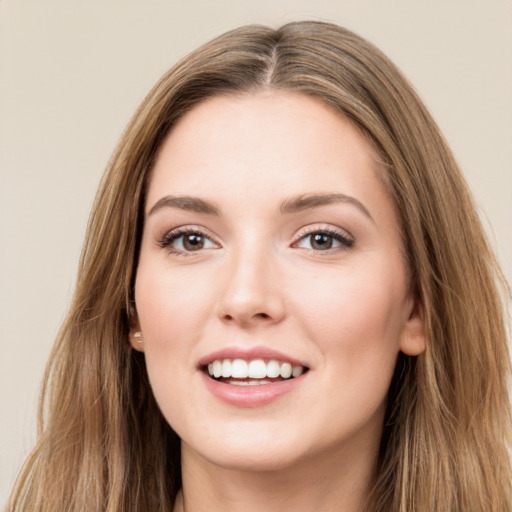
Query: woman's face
(270, 247)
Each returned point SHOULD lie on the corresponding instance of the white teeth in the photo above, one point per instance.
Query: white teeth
(297, 371)
(248, 382)
(256, 370)
(226, 368)
(217, 369)
(286, 370)
(239, 369)
(273, 369)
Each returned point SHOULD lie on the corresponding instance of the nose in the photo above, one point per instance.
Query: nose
(252, 292)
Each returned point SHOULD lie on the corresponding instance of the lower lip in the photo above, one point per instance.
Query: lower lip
(251, 396)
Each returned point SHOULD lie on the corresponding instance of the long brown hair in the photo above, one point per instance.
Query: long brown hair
(104, 445)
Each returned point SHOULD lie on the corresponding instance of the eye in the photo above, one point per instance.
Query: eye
(324, 240)
(185, 240)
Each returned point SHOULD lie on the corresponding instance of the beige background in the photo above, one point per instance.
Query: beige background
(71, 74)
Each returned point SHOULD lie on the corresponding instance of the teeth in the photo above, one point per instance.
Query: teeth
(273, 369)
(239, 369)
(256, 370)
(286, 370)
(297, 371)
(252, 382)
(217, 369)
(226, 368)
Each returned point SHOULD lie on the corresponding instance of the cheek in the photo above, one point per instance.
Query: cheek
(170, 305)
(356, 314)
(172, 314)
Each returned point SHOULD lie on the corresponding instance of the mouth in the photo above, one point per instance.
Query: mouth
(252, 372)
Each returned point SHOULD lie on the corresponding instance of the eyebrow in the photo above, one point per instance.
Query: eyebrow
(292, 205)
(306, 201)
(188, 203)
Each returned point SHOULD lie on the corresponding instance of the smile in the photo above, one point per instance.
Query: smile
(253, 372)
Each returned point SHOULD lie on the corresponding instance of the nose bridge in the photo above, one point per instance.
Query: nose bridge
(250, 292)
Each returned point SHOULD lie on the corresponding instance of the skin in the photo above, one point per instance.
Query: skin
(259, 280)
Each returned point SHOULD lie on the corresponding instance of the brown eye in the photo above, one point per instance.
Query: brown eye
(324, 241)
(193, 242)
(186, 240)
(321, 241)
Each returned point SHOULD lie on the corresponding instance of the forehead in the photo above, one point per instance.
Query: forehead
(269, 143)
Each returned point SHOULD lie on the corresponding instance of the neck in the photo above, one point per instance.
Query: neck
(336, 482)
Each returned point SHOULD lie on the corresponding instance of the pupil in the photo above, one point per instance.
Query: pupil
(321, 241)
(193, 242)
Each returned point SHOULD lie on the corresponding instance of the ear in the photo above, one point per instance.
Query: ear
(135, 334)
(413, 338)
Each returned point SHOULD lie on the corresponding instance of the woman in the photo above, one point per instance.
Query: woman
(285, 300)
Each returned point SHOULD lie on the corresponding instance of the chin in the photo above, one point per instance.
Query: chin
(248, 451)
(254, 459)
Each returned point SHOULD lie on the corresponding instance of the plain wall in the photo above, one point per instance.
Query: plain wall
(72, 73)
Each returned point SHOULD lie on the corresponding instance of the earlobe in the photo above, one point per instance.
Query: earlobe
(413, 339)
(135, 334)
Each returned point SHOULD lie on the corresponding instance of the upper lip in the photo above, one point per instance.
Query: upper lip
(247, 354)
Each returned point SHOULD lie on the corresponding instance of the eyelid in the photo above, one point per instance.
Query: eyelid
(343, 236)
(173, 234)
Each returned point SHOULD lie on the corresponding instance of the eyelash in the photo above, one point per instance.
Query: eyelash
(346, 242)
(170, 237)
